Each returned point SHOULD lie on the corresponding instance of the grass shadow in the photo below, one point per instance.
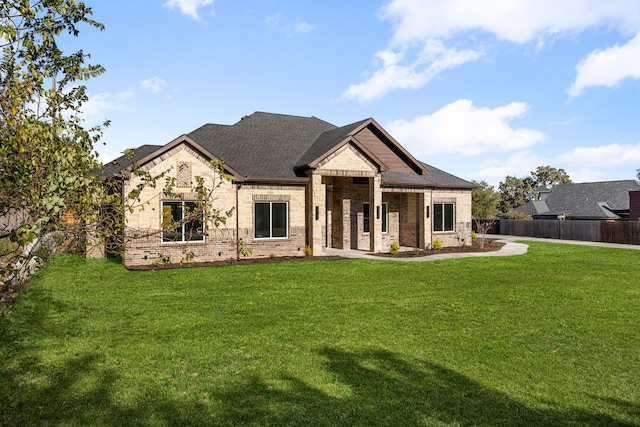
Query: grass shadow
(386, 390)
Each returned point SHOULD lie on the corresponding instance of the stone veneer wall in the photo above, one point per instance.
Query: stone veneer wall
(294, 195)
(462, 233)
(143, 235)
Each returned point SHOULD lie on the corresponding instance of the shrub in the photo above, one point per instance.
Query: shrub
(437, 244)
(473, 235)
(394, 248)
(308, 251)
(244, 249)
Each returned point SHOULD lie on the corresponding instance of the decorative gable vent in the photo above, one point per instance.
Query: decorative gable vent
(184, 175)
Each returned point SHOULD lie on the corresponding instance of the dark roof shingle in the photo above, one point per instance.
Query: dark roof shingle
(272, 146)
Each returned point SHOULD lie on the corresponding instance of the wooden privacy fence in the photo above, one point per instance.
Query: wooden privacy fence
(592, 231)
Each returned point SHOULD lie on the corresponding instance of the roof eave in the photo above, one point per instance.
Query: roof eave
(426, 185)
(279, 181)
(349, 140)
(199, 148)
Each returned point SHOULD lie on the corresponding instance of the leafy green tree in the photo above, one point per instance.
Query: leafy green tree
(47, 157)
(547, 175)
(484, 201)
(515, 192)
(49, 171)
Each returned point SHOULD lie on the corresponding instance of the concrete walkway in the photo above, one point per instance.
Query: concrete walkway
(510, 248)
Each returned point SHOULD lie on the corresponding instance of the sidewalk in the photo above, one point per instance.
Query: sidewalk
(508, 238)
(511, 247)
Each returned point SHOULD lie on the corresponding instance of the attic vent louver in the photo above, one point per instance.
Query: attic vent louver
(184, 175)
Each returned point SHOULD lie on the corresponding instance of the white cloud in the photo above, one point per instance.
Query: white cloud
(290, 28)
(603, 155)
(519, 164)
(587, 175)
(395, 73)
(519, 21)
(462, 128)
(299, 27)
(155, 84)
(428, 22)
(190, 7)
(96, 110)
(608, 67)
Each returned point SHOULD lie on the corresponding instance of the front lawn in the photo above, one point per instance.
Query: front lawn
(550, 338)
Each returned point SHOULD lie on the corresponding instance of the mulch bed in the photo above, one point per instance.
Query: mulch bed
(242, 261)
(490, 245)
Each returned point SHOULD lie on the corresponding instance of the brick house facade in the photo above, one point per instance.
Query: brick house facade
(295, 182)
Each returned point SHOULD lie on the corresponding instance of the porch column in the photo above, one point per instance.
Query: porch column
(375, 215)
(317, 214)
(422, 220)
(426, 235)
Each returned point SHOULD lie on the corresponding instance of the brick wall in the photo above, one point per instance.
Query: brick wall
(462, 233)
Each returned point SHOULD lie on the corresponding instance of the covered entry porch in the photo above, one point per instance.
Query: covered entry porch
(359, 214)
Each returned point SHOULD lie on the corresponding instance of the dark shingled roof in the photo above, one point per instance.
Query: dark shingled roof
(268, 146)
(434, 178)
(326, 141)
(262, 145)
(588, 200)
(112, 168)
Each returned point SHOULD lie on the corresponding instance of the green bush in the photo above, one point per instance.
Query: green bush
(437, 244)
(394, 248)
(308, 251)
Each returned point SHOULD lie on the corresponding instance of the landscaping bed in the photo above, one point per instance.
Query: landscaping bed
(490, 245)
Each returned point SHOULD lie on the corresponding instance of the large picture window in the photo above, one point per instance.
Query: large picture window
(443, 217)
(271, 220)
(182, 222)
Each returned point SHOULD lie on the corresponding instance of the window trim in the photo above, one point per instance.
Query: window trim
(255, 217)
(385, 217)
(366, 219)
(444, 218)
(183, 223)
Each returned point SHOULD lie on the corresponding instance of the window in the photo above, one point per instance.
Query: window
(271, 220)
(443, 217)
(182, 222)
(365, 209)
(385, 217)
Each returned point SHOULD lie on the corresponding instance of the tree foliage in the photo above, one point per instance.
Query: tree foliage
(49, 171)
(516, 192)
(47, 157)
(547, 175)
(484, 201)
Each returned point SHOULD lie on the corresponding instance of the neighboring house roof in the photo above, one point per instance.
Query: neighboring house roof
(266, 146)
(589, 200)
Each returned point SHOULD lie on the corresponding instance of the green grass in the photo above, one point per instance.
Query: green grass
(550, 338)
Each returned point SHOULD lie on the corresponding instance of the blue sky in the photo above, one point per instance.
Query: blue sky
(481, 89)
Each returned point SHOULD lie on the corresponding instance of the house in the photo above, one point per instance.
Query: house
(296, 183)
(607, 200)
